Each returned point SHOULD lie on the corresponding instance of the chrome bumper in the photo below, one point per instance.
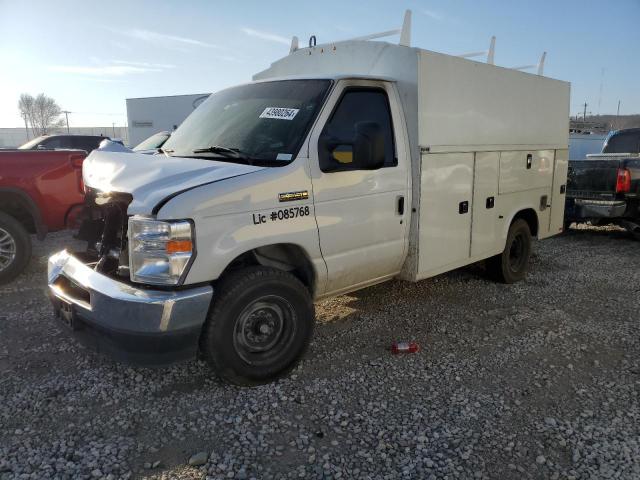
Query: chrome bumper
(147, 326)
(599, 208)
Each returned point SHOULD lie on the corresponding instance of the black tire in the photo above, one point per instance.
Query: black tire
(15, 248)
(258, 327)
(512, 264)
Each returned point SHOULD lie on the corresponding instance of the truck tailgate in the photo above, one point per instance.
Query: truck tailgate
(593, 179)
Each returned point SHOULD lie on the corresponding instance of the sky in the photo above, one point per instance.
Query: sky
(90, 56)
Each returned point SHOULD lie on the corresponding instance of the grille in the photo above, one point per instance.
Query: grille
(104, 228)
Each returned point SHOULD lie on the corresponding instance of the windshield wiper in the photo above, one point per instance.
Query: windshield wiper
(226, 151)
(229, 152)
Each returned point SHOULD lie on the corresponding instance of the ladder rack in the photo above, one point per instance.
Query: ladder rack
(405, 40)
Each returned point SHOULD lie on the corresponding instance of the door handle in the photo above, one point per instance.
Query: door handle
(544, 200)
(463, 207)
(401, 205)
(529, 161)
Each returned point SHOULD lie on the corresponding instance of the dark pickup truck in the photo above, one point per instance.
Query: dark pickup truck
(605, 188)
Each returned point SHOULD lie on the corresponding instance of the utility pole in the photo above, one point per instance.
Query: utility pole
(26, 127)
(584, 115)
(618, 114)
(113, 128)
(66, 114)
(600, 94)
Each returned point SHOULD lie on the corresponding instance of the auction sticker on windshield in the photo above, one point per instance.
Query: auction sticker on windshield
(280, 113)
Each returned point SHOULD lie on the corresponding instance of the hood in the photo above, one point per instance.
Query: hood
(152, 178)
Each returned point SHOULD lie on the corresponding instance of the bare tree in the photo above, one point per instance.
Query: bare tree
(25, 105)
(41, 112)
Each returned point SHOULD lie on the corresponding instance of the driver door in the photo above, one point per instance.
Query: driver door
(361, 213)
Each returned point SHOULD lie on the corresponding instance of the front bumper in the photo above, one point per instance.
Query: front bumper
(135, 325)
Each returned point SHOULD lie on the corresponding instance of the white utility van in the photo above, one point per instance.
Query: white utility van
(341, 166)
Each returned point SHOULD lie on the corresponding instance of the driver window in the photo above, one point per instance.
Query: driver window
(360, 105)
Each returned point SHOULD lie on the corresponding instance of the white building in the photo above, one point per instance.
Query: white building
(146, 116)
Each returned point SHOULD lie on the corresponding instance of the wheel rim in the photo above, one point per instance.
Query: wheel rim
(517, 253)
(7, 249)
(264, 330)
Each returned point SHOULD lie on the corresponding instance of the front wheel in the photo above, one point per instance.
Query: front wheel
(15, 248)
(513, 263)
(259, 326)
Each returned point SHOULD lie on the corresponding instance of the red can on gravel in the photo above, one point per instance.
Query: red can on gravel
(404, 347)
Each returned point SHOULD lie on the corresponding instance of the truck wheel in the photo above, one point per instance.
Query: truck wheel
(513, 263)
(259, 326)
(15, 248)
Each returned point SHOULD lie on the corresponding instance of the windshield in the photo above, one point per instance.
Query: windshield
(153, 142)
(31, 143)
(262, 121)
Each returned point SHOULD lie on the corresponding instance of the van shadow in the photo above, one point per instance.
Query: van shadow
(394, 293)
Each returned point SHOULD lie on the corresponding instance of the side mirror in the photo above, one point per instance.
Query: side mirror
(364, 151)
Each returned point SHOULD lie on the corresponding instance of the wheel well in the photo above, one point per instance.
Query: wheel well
(283, 256)
(14, 205)
(529, 215)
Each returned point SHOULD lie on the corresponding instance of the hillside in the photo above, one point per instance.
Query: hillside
(614, 122)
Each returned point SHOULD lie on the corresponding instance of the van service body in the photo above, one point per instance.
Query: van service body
(341, 166)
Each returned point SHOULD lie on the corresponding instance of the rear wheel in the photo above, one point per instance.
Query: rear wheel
(259, 326)
(513, 263)
(15, 248)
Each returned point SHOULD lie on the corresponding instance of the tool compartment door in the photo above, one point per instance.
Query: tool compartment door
(558, 193)
(446, 187)
(522, 170)
(484, 231)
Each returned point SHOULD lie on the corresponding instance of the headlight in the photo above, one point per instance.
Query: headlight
(159, 251)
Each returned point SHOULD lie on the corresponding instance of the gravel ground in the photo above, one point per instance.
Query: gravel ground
(534, 380)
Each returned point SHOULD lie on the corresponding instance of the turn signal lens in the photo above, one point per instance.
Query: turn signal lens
(179, 246)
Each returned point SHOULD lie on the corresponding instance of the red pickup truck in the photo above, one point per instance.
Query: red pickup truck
(40, 192)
